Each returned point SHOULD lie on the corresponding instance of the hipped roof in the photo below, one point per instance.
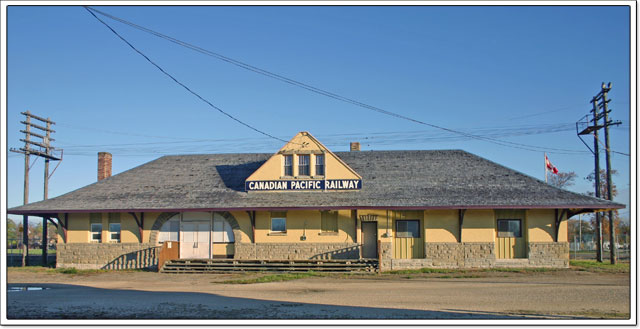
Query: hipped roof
(440, 179)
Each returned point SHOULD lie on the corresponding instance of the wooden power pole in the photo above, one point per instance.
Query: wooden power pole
(39, 147)
(600, 102)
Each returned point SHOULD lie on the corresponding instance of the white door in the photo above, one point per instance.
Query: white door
(194, 239)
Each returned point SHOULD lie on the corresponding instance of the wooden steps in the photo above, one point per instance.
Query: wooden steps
(235, 265)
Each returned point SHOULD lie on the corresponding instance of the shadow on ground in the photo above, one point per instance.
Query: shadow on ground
(60, 301)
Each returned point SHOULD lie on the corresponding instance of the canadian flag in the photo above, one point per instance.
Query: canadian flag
(550, 167)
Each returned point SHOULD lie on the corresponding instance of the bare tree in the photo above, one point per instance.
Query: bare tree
(562, 179)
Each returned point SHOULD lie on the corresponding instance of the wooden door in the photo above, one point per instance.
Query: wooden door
(369, 240)
(510, 242)
(195, 239)
(408, 241)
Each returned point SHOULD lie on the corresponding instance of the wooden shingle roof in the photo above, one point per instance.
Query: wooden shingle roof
(390, 180)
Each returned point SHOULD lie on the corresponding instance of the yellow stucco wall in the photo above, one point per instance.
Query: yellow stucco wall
(272, 169)
(441, 225)
(479, 226)
(303, 143)
(245, 226)
(438, 226)
(540, 224)
(303, 222)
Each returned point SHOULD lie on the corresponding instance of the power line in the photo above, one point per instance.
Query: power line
(326, 93)
(180, 83)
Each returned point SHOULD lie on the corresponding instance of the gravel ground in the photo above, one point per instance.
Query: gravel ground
(147, 295)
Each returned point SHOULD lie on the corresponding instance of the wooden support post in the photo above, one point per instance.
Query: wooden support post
(65, 227)
(559, 215)
(44, 240)
(140, 224)
(460, 222)
(253, 226)
(379, 255)
(354, 215)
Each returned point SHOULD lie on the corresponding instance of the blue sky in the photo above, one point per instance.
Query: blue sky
(524, 74)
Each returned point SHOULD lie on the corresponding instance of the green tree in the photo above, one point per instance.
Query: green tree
(12, 229)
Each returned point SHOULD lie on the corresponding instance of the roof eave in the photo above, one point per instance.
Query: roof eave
(580, 208)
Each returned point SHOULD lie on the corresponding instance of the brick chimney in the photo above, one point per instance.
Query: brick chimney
(355, 146)
(104, 165)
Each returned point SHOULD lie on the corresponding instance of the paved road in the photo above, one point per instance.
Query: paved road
(153, 296)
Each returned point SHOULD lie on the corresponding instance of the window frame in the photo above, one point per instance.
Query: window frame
(506, 234)
(287, 168)
(278, 216)
(92, 232)
(319, 165)
(111, 232)
(306, 165)
(397, 232)
(325, 216)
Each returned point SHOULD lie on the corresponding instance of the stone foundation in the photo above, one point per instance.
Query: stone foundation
(549, 254)
(107, 255)
(461, 255)
(297, 251)
(482, 255)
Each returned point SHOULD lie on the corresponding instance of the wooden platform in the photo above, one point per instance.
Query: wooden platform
(235, 265)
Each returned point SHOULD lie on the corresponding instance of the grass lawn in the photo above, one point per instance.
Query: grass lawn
(594, 266)
(32, 252)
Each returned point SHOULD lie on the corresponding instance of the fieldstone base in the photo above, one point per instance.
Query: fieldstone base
(107, 255)
(549, 254)
(482, 255)
(297, 251)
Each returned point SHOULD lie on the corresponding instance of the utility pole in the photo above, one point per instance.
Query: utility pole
(597, 178)
(599, 102)
(44, 150)
(607, 123)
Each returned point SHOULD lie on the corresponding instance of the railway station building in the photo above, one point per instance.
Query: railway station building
(404, 209)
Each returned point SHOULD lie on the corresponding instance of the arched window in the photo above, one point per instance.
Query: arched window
(170, 230)
(222, 230)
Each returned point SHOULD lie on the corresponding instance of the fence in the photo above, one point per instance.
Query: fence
(15, 249)
(586, 249)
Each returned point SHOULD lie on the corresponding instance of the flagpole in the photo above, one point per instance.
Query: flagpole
(545, 167)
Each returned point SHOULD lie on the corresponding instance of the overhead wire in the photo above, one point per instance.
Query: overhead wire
(323, 92)
(180, 83)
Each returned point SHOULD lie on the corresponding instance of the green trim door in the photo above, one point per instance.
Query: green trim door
(408, 241)
(510, 238)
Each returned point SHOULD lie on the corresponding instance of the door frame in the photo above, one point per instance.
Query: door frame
(362, 236)
(209, 221)
(524, 232)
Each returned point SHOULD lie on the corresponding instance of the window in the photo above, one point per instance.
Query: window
(96, 232)
(170, 230)
(114, 227)
(279, 222)
(407, 228)
(222, 230)
(303, 165)
(288, 165)
(509, 228)
(320, 164)
(114, 232)
(329, 221)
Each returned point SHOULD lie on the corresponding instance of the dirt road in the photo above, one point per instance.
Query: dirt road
(132, 295)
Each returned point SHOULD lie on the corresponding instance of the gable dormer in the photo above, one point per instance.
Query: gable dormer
(304, 164)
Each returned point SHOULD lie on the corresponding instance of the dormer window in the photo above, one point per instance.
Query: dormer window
(288, 165)
(303, 165)
(319, 164)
